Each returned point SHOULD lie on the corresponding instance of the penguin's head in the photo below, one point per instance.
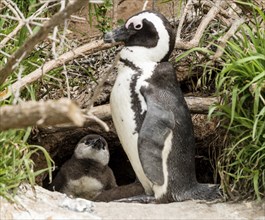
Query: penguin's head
(93, 147)
(147, 35)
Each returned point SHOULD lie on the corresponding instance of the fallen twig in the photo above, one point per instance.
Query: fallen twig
(19, 15)
(182, 19)
(145, 5)
(223, 40)
(98, 89)
(197, 105)
(102, 81)
(200, 30)
(11, 35)
(51, 112)
(92, 117)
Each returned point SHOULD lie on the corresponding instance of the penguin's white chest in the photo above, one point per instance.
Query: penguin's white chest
(124, 117)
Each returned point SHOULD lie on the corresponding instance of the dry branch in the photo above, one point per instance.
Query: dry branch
(182, 19)
(11, 35)
(196, 105)
(29, 45)
(115, 12)
(64, 58)
(102, 111)
(52, 112)
(223, 40)
(200, 105)
(217, 6)
(18, 14)
(102, 81)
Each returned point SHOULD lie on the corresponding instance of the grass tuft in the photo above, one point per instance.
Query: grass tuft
(241, 85)
(16, 165)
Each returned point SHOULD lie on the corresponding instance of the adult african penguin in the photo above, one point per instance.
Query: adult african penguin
(150, 113)
(86, 174)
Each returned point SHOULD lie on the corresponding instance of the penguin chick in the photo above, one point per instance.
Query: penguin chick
(150, 114)
(87, 173)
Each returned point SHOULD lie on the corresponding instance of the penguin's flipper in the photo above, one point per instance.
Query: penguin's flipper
(58, 182)
(156, 128)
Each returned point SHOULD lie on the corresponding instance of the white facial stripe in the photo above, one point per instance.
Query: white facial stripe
(138, 54)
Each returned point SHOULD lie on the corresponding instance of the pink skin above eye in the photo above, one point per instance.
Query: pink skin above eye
(136, 21)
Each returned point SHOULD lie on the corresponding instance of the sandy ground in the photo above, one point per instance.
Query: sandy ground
(43, 204)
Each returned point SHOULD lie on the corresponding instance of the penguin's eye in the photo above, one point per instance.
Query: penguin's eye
(138, 27)
(89, 142)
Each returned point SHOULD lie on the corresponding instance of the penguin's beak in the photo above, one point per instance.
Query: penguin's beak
(98, 144)
(120, 34)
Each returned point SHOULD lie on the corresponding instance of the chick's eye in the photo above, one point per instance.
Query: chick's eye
(89, 142)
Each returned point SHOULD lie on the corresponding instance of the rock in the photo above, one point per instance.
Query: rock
(39, 203)
(44, 204)
(181, 210)
(77, 204)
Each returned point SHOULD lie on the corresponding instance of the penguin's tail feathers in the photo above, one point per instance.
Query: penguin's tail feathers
(206, 192)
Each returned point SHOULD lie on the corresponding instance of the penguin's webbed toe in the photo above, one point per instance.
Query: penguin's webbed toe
(206, 192)
(138, 199)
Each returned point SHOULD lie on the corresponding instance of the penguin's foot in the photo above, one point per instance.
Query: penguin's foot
(138, 199)
(208, 192)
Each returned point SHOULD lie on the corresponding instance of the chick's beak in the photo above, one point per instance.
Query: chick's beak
(98, 144)
(120, 34)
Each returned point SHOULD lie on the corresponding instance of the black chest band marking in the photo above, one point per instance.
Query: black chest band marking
(135, 101)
